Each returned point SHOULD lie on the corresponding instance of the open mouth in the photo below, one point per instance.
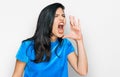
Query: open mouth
(61, 28)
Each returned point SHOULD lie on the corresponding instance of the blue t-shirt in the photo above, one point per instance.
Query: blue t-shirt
(56, 67)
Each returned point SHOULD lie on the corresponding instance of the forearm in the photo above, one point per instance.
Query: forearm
(16, 75)
(82, 63)
(19, 69)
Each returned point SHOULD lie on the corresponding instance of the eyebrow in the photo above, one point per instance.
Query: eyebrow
(60, 14)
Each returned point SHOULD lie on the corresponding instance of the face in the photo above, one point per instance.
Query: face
(58, 24)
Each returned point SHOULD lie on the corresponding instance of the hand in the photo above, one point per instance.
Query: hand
(75, 32)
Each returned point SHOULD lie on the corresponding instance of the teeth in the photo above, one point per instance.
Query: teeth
(61, 23)
(59, 26)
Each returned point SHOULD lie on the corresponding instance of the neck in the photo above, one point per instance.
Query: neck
(53, 38)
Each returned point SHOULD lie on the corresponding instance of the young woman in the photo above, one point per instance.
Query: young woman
(48, 52)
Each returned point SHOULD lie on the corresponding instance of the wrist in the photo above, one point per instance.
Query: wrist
(79, 41)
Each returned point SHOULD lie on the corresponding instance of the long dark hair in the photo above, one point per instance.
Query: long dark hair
(43, 32)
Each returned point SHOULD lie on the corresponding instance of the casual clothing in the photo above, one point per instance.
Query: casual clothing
(56, 67)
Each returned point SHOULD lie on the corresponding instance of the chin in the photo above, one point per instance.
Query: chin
(60, 35)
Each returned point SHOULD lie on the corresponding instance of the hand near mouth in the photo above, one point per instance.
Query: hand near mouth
(75, 32)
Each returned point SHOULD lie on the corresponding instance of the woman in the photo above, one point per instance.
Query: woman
(47, 53)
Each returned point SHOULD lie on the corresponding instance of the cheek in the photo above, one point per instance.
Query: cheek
(55, 26)
(54, 29)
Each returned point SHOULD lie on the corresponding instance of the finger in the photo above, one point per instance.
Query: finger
(74, 21)
(79, 24)
(71, 20)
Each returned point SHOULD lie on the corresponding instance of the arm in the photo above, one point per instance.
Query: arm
(78, 62)
(19, 69)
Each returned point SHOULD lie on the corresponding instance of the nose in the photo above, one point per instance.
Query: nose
(61, 18)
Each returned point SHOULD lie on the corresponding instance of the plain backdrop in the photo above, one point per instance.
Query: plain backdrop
(100, 25)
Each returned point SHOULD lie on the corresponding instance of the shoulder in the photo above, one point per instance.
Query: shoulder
(68, 46)
(27, 42)
(28, 48)
(66, 41)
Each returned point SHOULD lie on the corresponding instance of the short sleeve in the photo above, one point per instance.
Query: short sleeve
(21, 54)
(70, 47)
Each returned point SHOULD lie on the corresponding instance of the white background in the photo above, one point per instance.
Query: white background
(100, 24)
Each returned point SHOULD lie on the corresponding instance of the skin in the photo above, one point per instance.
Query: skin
(77, 61)
(58, 20)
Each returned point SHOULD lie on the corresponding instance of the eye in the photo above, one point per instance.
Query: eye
(63, 15)
(56, 15)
